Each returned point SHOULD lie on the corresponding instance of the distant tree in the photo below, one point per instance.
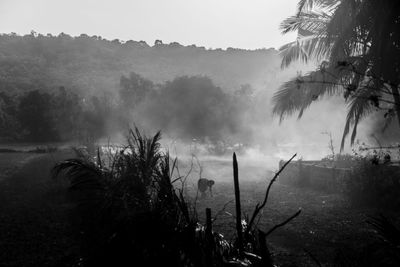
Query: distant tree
(358, 43)
(95, 119)
(35, 116)
(143, 44)
(9, 127)
(68, 111)
(116, 41)
(175, 45)
(193, 107)
(100, 117)
(134, 89)
(158, 43)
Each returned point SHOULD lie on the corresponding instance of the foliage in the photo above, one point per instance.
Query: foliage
(193, 107)
(186, 107)
(8, 112)
(34, 113)
(40, 116)
(356, 43)
(90, 65)
(134, 89)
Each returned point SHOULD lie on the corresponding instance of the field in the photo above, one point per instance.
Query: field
(34, 228)
(35, 214)
(327, 227)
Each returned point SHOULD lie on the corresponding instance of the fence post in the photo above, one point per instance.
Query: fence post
(208, 223)
(209, 238)
(238, 207)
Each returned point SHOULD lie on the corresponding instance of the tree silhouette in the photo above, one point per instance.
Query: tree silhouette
(34, 114)
(133, 89)
(358, 46)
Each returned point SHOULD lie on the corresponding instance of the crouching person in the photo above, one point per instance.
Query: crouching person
(203, 184)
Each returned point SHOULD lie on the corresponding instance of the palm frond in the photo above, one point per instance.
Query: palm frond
(313, 22)
(359, 107)
(307, 5)
(299, 93)
(343, 32)
(81, 173)
(291, 52)
(304, 49)
(353, 36)
(311, 41)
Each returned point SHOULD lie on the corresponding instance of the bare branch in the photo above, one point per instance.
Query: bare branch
(283, 223)
(222, 210)
(259, 207)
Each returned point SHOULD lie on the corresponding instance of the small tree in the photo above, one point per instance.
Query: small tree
(35, 116)
(134, 89)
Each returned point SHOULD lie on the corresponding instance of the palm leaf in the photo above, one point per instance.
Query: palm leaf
(307, 5)
(299, 93)
(81, 173)
(359, 107)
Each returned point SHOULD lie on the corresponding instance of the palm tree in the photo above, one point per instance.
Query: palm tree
(357, 43)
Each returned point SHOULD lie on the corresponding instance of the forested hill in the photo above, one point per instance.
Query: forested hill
(92, 64)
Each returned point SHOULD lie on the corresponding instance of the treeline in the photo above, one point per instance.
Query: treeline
(39, 116)
(92, 64)
(94, 103)
(187, 107)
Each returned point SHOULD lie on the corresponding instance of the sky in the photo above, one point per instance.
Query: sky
(247, 24)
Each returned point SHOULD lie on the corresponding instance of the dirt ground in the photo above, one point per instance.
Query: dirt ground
(327, 229)
(11, 162)
(34, 228)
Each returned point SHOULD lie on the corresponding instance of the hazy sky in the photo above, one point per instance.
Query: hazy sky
(211, 23)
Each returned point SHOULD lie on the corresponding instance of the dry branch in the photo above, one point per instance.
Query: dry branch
(283, 223)
(259, 207)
